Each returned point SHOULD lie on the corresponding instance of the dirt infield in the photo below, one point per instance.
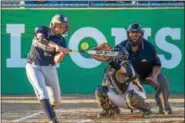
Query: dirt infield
(83, 109)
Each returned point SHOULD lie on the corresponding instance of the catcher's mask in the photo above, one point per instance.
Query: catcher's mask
(124, 55)
(59, 24)
(135, 34)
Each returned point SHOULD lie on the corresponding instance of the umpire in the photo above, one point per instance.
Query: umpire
(147, 65)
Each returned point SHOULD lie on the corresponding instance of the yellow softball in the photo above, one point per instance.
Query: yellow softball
(84, 46)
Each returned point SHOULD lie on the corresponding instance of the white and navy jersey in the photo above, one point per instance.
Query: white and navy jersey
(40, 57)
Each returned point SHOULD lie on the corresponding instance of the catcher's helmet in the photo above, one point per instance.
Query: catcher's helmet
(124, 52)
(135, 27)
(59, 18)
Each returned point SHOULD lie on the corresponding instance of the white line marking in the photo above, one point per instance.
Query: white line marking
(27, 117)
(92, 111)
(77, 120)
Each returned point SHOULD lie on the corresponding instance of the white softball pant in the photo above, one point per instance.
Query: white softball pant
(119, 100)
(45, 82)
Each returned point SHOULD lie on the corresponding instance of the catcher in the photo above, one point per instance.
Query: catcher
(120, 87)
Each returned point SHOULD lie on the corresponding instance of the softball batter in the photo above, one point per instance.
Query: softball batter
(48, 49)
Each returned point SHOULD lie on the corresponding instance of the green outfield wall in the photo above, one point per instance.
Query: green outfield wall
(78, 73)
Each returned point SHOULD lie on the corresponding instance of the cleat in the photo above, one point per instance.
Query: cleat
(147, 114)
(103, 113)
(54, 120)
(112, 112)
(165, 112)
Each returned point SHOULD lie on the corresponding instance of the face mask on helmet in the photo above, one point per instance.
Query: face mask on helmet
(59, 24)
(135, 34)
(124, 53)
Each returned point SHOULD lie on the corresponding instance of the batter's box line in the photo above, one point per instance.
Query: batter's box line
(26, 117)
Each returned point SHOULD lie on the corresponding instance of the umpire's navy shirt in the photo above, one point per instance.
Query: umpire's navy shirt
(44, 58)
(144, 59)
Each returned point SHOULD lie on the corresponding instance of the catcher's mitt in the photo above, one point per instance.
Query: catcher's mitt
(104, 47)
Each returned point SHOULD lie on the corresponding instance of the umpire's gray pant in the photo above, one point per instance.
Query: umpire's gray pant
(44, 80)
(162, 91)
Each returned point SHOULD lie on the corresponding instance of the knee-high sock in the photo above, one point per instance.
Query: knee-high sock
(47, 108)
(53, 109)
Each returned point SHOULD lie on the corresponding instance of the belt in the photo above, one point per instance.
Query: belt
(33, 63)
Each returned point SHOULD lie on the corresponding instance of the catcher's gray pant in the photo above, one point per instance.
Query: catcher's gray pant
(162, 93)
(44, 80)
(119, 100)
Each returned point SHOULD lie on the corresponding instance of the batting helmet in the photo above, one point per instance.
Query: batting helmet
(59, 18)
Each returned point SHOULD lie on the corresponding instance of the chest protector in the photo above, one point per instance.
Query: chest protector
(119, 80)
